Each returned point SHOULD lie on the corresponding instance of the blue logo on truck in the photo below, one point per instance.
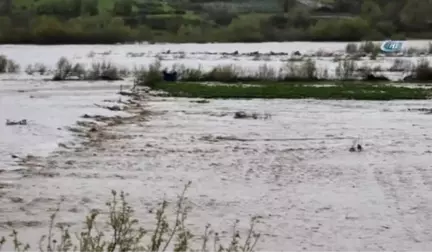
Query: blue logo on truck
(390, 46)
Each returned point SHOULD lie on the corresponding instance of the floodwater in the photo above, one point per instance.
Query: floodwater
(293, 169)
(198, 55)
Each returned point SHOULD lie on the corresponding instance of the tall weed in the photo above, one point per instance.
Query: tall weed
(8, 65)
(125, 234)
(149, 76)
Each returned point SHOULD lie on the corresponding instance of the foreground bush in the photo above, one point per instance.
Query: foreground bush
(126, 235)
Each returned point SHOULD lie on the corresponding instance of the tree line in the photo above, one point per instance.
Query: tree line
(112, 21)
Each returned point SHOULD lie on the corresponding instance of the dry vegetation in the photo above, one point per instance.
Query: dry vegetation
(7, 65)
(99, 71)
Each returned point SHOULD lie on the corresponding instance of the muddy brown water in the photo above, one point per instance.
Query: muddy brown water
(293, 169)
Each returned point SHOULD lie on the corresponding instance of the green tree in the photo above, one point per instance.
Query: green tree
(48, 28)
(244, 30)
(299, 18)
(371, 11)
(123, 8)
(387, 28)
(346, 29)
(416, 14)
(89, 7)
(6, 27)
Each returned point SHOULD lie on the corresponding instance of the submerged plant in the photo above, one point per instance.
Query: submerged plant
(148, 76)
(351, 48)
(346, 69)
(98, 71)
(65, 69)
(8, 65)
(36, 68)
(105, 71)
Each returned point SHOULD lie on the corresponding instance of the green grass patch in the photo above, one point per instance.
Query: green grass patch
(345, 90)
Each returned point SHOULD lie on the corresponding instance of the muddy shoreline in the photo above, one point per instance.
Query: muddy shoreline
(91, 131)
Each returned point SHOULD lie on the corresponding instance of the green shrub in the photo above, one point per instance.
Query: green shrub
(149, 76)
(227, 73)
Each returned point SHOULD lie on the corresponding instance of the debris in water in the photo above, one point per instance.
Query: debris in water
(125, 93)
(427, 111)
(62, 145)
(240, 114)
(243, 115)
(112, 108)
(201, 101)
(21, 122)
(356, 146)
(16, 199)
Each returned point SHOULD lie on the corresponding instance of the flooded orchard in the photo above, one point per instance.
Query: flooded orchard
(293, 168)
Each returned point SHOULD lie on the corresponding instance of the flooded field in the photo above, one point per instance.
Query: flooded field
(206, 56)
(293, 169)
